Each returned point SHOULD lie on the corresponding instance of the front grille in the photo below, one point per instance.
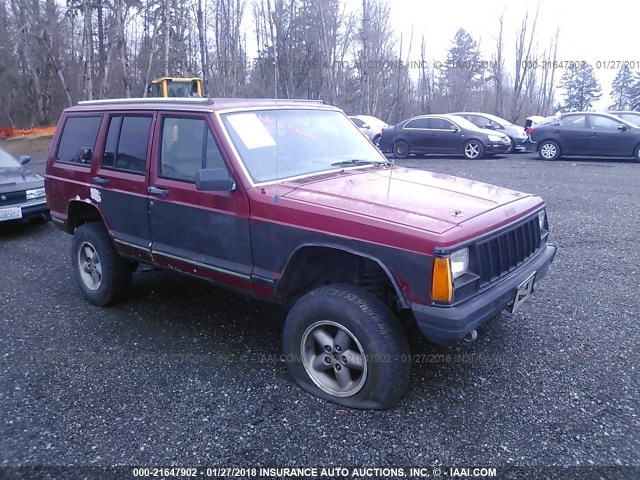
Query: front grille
(503, 253)
(11, 198)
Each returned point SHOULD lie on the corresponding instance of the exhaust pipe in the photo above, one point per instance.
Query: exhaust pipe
(472, 336)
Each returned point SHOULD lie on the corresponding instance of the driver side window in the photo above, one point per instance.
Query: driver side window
(187, 146)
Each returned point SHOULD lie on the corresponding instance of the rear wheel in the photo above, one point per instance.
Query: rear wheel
(401, 149)
(636, 154)
(549, 150)
(344, 345)
(473, 149)
(103, 275)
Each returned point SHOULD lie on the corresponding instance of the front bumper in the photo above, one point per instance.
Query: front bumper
(497, 147)
(520, 144)
(31, 209)
(447, 324)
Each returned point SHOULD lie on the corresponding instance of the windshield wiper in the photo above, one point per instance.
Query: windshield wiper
(352, 162)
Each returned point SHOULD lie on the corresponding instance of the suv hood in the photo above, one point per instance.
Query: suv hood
(428, 201)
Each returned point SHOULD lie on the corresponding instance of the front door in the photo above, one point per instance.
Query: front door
(607, 139)
(197, 232)
(119, 182)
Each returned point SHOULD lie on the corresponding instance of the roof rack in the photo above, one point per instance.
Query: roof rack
(196, 100)
(200, 100)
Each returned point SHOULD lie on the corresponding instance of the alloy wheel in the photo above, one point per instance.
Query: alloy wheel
(334, 358)
(90, 266)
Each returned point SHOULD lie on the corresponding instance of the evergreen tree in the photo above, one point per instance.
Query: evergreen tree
(634, 93)
(621, 89)
(581, 88)
(462, 74)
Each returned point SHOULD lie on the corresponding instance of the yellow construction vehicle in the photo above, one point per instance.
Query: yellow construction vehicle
(175, 87)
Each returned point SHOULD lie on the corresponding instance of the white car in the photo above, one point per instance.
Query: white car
(370, 126)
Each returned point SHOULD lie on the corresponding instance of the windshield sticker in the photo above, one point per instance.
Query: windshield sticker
(251, 131)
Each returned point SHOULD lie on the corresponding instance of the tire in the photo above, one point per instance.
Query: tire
(102, 274)
(512, 148)
(401, 149)
(376, 141)
(339, 315)
(549, 150)
(473, 150)
(636, 154)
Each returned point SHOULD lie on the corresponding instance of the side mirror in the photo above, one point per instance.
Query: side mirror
(455, 129)
(366, 125)
(622, 128)
(214, 180)
(489, 126)
(24, 159)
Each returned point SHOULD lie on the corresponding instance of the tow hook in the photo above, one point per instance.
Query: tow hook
(472, 336)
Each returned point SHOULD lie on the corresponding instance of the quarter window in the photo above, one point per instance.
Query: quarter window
(187, 146)
(127, 143)
(79, 133)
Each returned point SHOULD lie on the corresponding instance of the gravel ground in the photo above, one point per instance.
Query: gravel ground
(184, 373)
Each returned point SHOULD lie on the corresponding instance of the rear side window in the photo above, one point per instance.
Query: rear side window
(78, 134)
(418, 123)
(127, 142)
(573, 121)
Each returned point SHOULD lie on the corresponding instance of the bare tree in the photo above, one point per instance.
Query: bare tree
(524, 61)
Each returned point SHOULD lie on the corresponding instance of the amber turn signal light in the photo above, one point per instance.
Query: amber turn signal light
(441, 281)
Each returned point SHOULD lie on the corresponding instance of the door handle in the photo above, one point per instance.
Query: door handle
(594, 134)
(157, 191)
(100, 180)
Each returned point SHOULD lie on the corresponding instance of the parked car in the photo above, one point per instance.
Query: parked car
(285, 201)
(587, 133)
(631, 117)
(445, 134)
(22, 194)
(517, 134)
(370, 126)
(534, 121)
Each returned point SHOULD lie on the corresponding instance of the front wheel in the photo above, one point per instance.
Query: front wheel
(512, 147)
(473, 149)
(636, 154)
(376, 141)
(344, 345)
(549, 150)
(401, 149)
(103, 275)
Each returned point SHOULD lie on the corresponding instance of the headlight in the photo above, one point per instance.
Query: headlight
(542, 215)
(459, 262)
(494, 138)
(35, 193)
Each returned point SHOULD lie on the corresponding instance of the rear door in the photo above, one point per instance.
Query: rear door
(417, 133)
(607, 139)
(198, 232)
(572, 135)
(120, 180)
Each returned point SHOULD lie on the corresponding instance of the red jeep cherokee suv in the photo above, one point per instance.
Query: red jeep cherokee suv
(288, 201)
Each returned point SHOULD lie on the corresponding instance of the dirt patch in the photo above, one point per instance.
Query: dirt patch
(22, 145)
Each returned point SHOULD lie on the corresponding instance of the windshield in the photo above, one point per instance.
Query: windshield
(278, 144)
(7, 161)
(632, 118)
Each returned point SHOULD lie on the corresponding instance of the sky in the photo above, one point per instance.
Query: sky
(591, 30)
